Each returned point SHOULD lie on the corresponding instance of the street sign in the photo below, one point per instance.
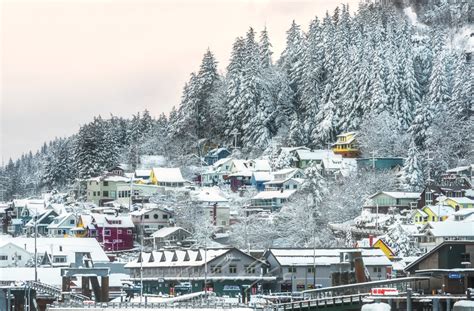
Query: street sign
(454, 275)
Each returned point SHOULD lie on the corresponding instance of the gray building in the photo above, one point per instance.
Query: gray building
(299, 269)
(230, 271)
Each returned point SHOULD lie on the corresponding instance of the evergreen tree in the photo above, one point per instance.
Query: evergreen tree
(411, 176)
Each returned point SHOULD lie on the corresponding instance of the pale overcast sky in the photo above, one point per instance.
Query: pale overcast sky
(63, 62)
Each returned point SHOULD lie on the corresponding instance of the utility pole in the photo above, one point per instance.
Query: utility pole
(36, 249)
(141, 258)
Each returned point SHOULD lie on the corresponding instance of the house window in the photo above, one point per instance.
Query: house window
(107, 232)
(311, 270)
(129, 231)
(72, 221)
(232, 269)
(106, 183)
(377, 269)
(147, 216)
(465, 257)
(155, 216)
(165, 216)
(428, 198)
(291, 269)
(3, 257)
(59, 259)
(216, 269)
(106, 194)
(119, 231)
(223, 223)
(249, 269)
(18, 257)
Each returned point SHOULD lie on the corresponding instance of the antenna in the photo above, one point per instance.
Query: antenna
(235, 133)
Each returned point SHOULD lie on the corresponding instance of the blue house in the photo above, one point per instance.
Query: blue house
(259, 178)
(379, 163)
(215, 155)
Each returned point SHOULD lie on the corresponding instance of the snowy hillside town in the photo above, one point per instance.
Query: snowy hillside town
(341, 169)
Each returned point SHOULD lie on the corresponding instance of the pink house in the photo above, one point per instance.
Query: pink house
(113, 232)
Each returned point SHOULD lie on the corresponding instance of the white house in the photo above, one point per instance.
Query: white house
(167, 177)
(270, 200)
(435, 233)
(59, 251)
(13, 255)
(62, 225)
(211, 199)
(152, 218)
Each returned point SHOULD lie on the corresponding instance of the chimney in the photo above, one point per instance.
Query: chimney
(371, 240)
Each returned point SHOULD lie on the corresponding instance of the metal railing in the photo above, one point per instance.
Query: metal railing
(56, 292)
(150, 305)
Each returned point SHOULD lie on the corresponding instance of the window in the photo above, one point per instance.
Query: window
(311, 270)
(72, 221)
(465, 257)
(129, 231)
(216, 269)
(223, 223)
(428, 198)
(119, 231)
(232, 269)
(249, 269)
(107, 232)
(147, 217)
(106, 183)
(106, 194)
(291, 269)
(377, 269)
(113, 194)
(59, 259)
(155, 216)
(165, 216)
(3, 257)
(18, 257)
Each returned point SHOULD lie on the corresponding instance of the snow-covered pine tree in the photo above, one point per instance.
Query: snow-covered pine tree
(411, 177)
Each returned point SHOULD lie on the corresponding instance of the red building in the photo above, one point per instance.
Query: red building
(113, 232)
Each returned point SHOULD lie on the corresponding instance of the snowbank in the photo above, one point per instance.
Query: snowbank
(379, 306)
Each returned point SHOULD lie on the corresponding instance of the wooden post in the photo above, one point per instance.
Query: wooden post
(104, 295)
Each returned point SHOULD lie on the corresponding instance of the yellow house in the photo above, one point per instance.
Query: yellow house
(432, 213)
(167, 177)
(460, 202)
(346, 145)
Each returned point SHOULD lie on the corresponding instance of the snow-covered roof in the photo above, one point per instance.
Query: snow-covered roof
(177, 258)
(333, 163)
(315, 154)
(262, 176)
(60, 220)
(398, 194)
(462, 200)
(107, 220)
(215, 152)
(68, 245)
(451, 229)
(306, 256)
(164, 232)
(168, 174)
(440, 210)
(458, 169)
(220, 162)
(262, 165)
(209, 194)
(239, 165)
(142, 173)
(274, 194)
